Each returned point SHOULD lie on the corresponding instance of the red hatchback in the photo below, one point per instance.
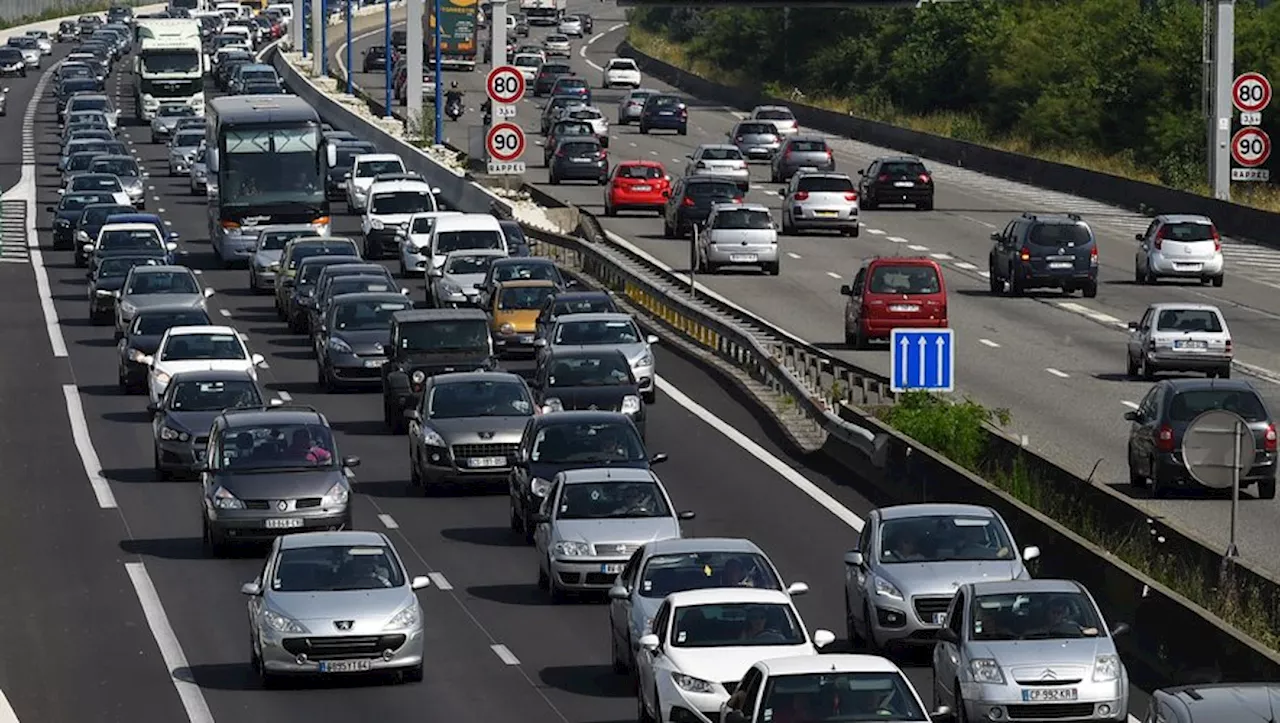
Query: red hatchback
(637, 186)
(893, 293)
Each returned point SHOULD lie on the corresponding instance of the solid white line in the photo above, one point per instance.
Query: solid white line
(438, 579)
(504, 654)
(918, 247)
(6, 711)
(224, 312)
(1057, 373)
(833, 274)
(170, 649)
(898, 239)
(798, 480)
(284, 396)
(941, 257)
(988, 342)
(389, 522)
(984, 274)
(1129, 404)
(875, 231)
(84, 445)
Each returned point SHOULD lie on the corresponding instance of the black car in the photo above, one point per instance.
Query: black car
(664, 112)
(66, 215)
(119, 14)
(589, 380)
(551, 111)
(518, 244)
(579, 159)
(554, 443)
(335, 184)
(1160, 423)
(896, 180)
(180, 421)
(352, 340)
(547, 76)
(71, 86)
(375, 58)
(380, 282)
(12, 63)
(426, 342)
(142, 338)
(105, 280)
(257, 457)
(564, 130)
(572, 302)
(1044, 251)
(67, 30)
(691, 200)
(90, 222)
(230, 61)
(302, 297)
(519, 269)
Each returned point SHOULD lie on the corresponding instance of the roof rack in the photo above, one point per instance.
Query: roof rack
(399, 177)
(291, 407)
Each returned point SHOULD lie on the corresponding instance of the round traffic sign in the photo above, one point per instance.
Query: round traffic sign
(1251, 92)
(1217, 448)
(1250, 147)
(505, 84)
(505, 142)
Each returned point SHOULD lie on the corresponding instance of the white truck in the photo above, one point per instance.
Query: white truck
(169, 66)
(544, 12)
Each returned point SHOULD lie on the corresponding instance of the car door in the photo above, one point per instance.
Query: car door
(946, 655)
(264, 584)
(856, 577)
(645, 659)
(1000, 262)
(1144, 242)
(673, 202)
(853, 306)
(1138, 337)
(1142, 431)
(620, 611)
(865, 179)
(542, 532)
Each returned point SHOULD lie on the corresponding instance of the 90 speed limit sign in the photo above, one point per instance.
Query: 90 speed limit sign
(505, 84)
(504, 142)
(1250, 147)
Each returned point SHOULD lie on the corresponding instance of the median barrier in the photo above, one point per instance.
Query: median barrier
(1232, 219)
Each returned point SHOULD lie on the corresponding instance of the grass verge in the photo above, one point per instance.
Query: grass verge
(954, 429)
(958, 126)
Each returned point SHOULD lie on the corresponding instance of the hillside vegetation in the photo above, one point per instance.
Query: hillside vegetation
(1113, 85)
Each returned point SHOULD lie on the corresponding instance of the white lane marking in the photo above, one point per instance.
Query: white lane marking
(653, 153)
(6, 711)
(224, 312)
(965, 265)
(917, 247)
(1129, 404)
(833, 274)
(284, 396)
(504, 654)
(1057, 373)
(984, 274)
(798, 480)
(84, 445)
(897, 239)
(1085, 311)
(875, 231)
(438, 579)
(389, 522)
(170, 649)
(941, 257)
(988, 342)
(984, 223)
(583, 51)
(793, 255)
(633, 145)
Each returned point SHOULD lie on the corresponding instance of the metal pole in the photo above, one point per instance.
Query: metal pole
(693, 262)
(324, 36)
(414, 64)
(498, 17)
(317, 46)
(435, 13)
(304, 23)
(1235, 488)
(296, 26)
(1223, 72)
(350, 69)
(388, 78)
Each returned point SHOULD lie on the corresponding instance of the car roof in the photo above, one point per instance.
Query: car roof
(1038, 585)
(640, 162)
(526, 283)
(475, 252)
(166, 308)
(716, 146)
(905, 512)
(770, 107)
(824, 174)
(1190, 385)
(680, 545)
(327, 260)
(166, 269)
(113, 156)
(364, 157)
(591, 475)
(594, 316)
(355, 538)
(132, 219)
(1181, 306)
(806, 137)
(721, 206)
(900, 159)
(387, 296)
(359, 266)
(468, 377)
(413, 316)
(206, 330)
(833, 662)
(466, 222)
(524, 260)
(586, 352)
(1184, 218)
(239, 418)
(711, 596)
(1224, 701)
(901, 261)
(212, 375)
(286, 228)
(580, 417)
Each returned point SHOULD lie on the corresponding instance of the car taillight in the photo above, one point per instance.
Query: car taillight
(1217, 240)
(1159, 240)
(851, 196)
(1269, 439)
(1164, 439)
(737, 199)
(1093, 255)
(688, 201)
(828, 154)
(801, 195)
(924, 178)
(883, 178)
(1228, 346)
(1025, 254)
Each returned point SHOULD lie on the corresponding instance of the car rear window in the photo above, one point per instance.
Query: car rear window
(556, 69)
(572, 83)
(782, 115)
(1190, 404)
(808, 146)
(824, 184)
(1059, 234)
(1187, 231)
(639, 172)
(744, 218)
(1189, 320)
(904, 279)
(665, 100)
(580, 148)
(712, 190)
(900, 169)
(758, 129)
(722, 154)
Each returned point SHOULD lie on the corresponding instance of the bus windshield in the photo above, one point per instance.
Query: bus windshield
(270, 166)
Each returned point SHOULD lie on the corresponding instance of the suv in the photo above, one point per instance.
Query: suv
(896, 179)
(690, 202)
(392, 199)
(1206, 703)
(425, 343)
(364, 169)
(270, 471)
(664, 111)
(891, 293)
(1044, 252)
(820, 201)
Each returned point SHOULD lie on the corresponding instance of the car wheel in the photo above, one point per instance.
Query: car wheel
(1224, 372)
(1138, 277)
(1130, 366)
(517, 524)
(961, 715)
(856, 339)
(642, 713)
(1148, 370)
(412, 675)
(1218, 280)
(162, 474)
(1159, 490)
(650, 397)
(1016, 287)
(773, 269)
(1267, 489)
(996, 283)
(851, 627)
(214, 543)
(619, 664)
(1091, 290)
(544, 580)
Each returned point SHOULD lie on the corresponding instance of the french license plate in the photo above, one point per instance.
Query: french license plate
(1049, 694)
(939, 618)
(345, 666)
(526, 338)
(581, 159)
(612, 568)
(743, 258)
(904, 184)
(342, 185)
(904, 307)
(826, 214)
(642, 188)
(664, 112)
(374, 363)
(1061, 265)
(1187, 267)
(283, 523)
(486, 461)
(1190, 345)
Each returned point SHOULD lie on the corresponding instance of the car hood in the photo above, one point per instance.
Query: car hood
(467, 282)
(266, 258)
(480, 430)
(942, 578)
(729, 664)
(370, 610)
(523, 320)
(365, 341)
(606, 398)
(145, 301)
(633, 352)
(280, 485)
(197, 423)
(1028, 659)
(639, 531)
(548, 470)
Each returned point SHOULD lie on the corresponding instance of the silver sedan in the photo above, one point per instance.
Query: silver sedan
(334, 603)
(720, 160)
(182, 151)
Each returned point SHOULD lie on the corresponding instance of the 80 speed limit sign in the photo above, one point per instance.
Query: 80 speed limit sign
(505, 84)
(505, 142)
(1251, 92)
(1250, 147)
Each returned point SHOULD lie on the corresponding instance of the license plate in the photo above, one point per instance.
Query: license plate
(345, 666)
(904, 184)
(612, 568)
(642, 188)
(939, 618)
(1187, 267)
(582, 160)
(1061, 265)
(743, 258)
(526, 338)
(486, 461)
(1190, 345)
(826, 214)
(664, 112)
(342, 185)
(374, 363)
(1049, 694)
(904, 307)
(283, 523)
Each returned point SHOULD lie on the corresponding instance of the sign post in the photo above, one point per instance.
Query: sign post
(922, 360)
(1250, 146)
(505, 144)
(1216, 448)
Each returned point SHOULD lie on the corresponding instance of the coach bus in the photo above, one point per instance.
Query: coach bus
(266, 164)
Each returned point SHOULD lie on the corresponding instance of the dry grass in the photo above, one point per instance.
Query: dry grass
(959, 126)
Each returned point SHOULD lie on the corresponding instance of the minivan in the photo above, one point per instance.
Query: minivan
(464, 232)
(891, 293)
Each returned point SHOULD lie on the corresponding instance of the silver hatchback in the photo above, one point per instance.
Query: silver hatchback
(720, 160)
(758, 140)
(820, 201)
(632, 104)
(801, 153)
(1178, 337)
(739, 234)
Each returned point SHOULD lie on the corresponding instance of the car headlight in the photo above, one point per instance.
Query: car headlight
(337, 495)
(338, 346)
(169, 434)
(986, 670)
(418, 377)
(432, 438)
(570, 548)
(887, 589)
(280, 623)
(135, 356)
(507, 329)
(645, 360)
(375, 224)
(553, 404)
(540, 487)
(104, 293)
(224, 500)
(404, 619)
(128, 309)
(162, 378)
(1106, 668)
(630, 404)
(692, 684)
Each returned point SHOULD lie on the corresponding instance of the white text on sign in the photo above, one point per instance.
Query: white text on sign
(1260, 175)
(506, 168)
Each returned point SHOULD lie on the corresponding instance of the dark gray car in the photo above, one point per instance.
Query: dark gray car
(758, 140)
(801, 152)
(352, 339)
(579, 159)
(180, 421)
(142, 338)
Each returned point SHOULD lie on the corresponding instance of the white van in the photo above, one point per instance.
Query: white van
(464, 232)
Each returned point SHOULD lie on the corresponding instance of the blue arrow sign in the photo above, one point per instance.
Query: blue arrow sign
(923, 359)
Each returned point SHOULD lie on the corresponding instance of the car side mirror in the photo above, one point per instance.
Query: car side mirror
(1133, 326)
(351, 461)
(619, 592)
(252, 589)
(823, 638)
(146, 360)
(797, 588)
(846, 290)
(862, 173)
(650, 642)
(1133, 416)
(941, 714)
(257, 359)
(995, 236)
(1120, 629)
(687, 515)
(173, 237)
(1030, 553)
(436, 272)
(1139, 237)
(171, 246)
(153, 407)
(208, 290)
(540, 343)
(420, 582)
(651, 339)
(853, 558)
(947, 635)
(413, 415)
(658, 459)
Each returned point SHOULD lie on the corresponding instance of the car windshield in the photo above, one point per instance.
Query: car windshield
(735, 624)
(666, 574)
(757, 129)
(599, 305)
(462, 400)
(193, 347)
(825, 184)
(142, 238)
(90, 104)
(121, 167)
(360, 284)
(944, 538)
(188, 139)
(611, 501)
(157, 323)
(163, 282)
(641, 172)
(556, 69)
(114, 267)
(366, 315)
(1034, 616)
(276, 240)
(395, 202)
(721, 154)
(1188, 405)
(212, 396)
(1189, 320)
(369, 169)
(277, 447)
(177, 111)
(526, 270)
(840, 697)
(524, 298)
(744, 219)
(464, 265)
(609, 370)
(447, 241)
(95, 182)
(890, 279)
(436, 336)
(588, 333)
(262, 87)
(1059, 234)
(596, 442)
(335, 568)
(556, 39)
(301, 253)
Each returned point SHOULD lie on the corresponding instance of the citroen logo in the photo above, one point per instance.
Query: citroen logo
(1049, 675)
(486, 435)
(282, 505)
(343, 624)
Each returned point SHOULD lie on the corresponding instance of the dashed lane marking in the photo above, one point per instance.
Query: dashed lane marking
(224, 312)
(833, 274)
(284, 396)
(917, 247)
(438, 579)
(898, 239)
(389, 522)
(792, 255)
(988, 342)
(1057, 373)
(875, 231)
(941, 257)
(965, 265)
(504, 654)
(1085, 311)
(6, 711)
(1129, 404)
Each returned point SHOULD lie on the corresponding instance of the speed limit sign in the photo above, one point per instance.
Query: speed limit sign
(504, 142)
(505, 85)
(1250, 147)
(1251, 92)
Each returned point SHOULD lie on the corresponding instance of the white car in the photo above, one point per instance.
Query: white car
(621, 72)
(415, 241)
(704, 641)
(196, 348)
(42, 40)
(571, 26)
(364, 168)
(1179, 246)
(556, 45)
(528, 65)
(392, 200)
(593, 116)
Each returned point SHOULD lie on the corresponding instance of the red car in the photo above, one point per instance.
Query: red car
(891, 293)
(637, 186)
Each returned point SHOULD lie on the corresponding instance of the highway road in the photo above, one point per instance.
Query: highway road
(110, 592)
(1056, 362)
